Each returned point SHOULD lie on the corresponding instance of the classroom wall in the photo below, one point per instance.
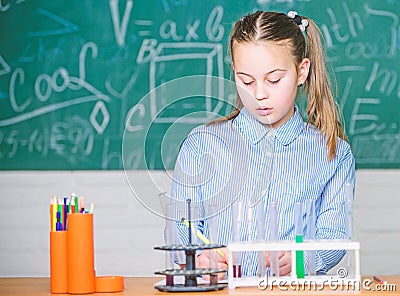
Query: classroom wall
(76, 78)
(125, 231)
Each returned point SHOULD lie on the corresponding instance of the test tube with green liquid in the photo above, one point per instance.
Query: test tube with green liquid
(298, 228)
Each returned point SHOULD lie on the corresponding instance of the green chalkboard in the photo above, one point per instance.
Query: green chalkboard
(85, 85)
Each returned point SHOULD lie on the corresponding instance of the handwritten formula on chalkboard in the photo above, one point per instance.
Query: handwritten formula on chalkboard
(118, 84)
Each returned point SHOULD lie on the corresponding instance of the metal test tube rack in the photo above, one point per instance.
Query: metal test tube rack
(190, 273)
(250, 281)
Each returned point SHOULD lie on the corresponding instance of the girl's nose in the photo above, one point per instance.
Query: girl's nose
(261, 91)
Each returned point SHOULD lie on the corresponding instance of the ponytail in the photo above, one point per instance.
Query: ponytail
(322, 109)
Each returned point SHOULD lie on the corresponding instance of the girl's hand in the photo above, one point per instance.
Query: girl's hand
(285, 262)
(203, 261)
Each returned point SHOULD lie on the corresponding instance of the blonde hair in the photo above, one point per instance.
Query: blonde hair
(322, 109)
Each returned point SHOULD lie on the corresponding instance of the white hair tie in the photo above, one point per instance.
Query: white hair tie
(303, 24)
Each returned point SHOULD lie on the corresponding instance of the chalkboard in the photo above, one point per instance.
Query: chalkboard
(83, 83)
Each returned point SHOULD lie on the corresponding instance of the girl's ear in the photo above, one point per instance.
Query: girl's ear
(303, 71)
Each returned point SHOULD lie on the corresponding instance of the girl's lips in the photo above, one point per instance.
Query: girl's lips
(264, 111)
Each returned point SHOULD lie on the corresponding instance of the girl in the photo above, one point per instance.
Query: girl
(264, 150)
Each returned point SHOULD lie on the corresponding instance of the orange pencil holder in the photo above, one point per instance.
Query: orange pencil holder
(58, 261)
(80, 246)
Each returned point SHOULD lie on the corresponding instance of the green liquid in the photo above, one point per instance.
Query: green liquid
(299, 259)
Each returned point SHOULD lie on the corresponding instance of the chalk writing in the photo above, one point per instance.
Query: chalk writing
(43, 87)
(120, 27)
(5, 6)
(64, 138)
(368, 75)
(73, 77)
(5, 68)
(68, 27)
(214, 29)
(389, 80)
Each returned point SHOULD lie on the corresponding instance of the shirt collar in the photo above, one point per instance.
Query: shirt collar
(290, 130)
(255, 131)
(251, 128)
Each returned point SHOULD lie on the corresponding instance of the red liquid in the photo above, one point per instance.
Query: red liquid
(237, 271)
(213, 279)
(169, 280)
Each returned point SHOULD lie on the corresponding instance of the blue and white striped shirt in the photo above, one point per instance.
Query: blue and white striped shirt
(241, 159)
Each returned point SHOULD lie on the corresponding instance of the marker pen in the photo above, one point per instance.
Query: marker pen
(379, 280)
(59, 226)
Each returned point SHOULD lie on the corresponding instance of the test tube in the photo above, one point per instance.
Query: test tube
(273, 237)
(237, 221)
(310, 235)
(349, 209)
(348, 192)
(251, 208)
(190, 280)
(261, 217)
(213, 234)
(250, 229)
(170, 237)
(171, 212)
(298, 228)
(193, 213)
(261, 237)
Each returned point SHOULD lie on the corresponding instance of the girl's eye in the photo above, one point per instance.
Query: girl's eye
(274, 81)
(247, 83)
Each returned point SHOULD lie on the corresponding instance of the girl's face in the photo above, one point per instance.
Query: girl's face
(267, 80)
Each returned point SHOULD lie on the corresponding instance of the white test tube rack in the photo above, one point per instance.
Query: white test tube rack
(250, 281)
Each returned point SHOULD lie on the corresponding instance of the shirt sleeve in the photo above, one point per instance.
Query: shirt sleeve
(332, 215)
(185, 186)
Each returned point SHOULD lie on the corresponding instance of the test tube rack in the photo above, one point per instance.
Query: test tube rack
(311, 245)
(190, 272)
